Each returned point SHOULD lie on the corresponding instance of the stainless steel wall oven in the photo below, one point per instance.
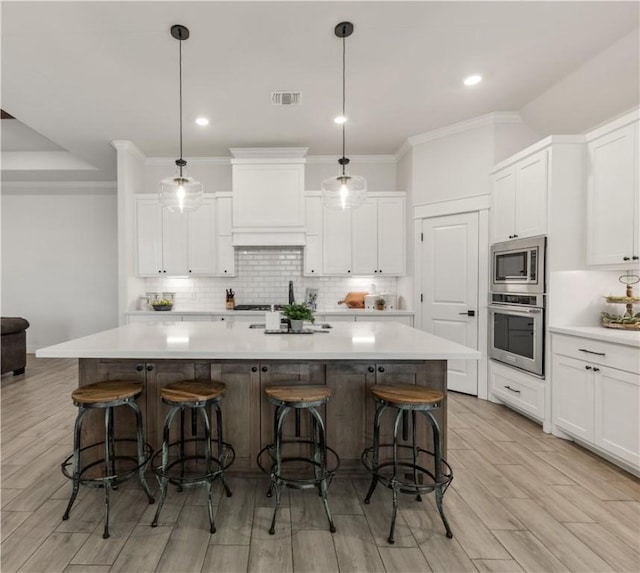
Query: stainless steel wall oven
(516, 337)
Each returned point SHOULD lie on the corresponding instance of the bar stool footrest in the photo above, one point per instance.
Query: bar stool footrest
(121, 474)
(404, 485)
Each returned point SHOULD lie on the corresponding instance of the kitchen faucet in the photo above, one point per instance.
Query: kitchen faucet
(292, 299)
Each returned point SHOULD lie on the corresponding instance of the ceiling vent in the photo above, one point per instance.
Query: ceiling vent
(286, 98)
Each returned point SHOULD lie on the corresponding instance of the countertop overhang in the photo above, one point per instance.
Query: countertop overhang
(626, 337)
(230, 340)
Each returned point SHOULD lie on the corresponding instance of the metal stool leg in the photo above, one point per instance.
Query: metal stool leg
(76, 460)
(109, 455)
(207, 455)
(276, 417)
(275, 470)
(437, 450)
(164, 479)
(415, 451)
(321, 446)
(376, 454)
(221, 448)
(395, 486)
(140, 445)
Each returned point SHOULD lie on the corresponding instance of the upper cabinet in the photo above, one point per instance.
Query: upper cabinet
(613, 199)
(268, 196)
(170, 244)
(519, 201)
(369, 240)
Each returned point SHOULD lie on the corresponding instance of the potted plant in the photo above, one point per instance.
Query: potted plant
(297, 313)
(380, 302)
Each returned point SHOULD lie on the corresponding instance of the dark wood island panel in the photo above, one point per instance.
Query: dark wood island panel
(248, 416)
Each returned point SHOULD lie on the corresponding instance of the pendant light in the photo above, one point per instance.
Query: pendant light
(344, 191)
(180, 193)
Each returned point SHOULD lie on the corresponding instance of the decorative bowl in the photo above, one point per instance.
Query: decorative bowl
(162, 306)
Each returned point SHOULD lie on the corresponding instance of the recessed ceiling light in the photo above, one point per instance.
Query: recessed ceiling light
(202, 121)
(472, 80)
(340, 119)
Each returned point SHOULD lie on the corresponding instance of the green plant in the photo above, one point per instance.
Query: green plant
(298, 312)
(380, 301)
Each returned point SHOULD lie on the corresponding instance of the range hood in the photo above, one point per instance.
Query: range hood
(268, 196)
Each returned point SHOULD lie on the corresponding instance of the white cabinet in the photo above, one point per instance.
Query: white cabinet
(170, 244)
(519, 198)
(268, 196)
(369, 240)
(225, 260)
(613, 198)
(596, 395)
(518, 390)
(313, 237)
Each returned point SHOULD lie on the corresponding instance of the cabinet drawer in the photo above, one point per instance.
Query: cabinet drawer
(605, 353)
(517, 389)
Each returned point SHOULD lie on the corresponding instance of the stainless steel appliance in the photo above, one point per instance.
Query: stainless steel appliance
(519, 266)
(516, 325)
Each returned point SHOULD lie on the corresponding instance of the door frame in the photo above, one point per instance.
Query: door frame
(481, 205)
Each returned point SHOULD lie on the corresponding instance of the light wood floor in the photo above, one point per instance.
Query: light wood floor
(521, 500)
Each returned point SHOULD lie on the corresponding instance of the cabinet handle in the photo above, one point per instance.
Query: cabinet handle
(379, 270)
(254, 369)
(189, 270)
(159, 271)
(265, 369)
(139, 367)
(511, 237)
(313, 271)
(375, 271)
(626, 258)
(164, 271)
(591, 352)
(596, 369)
(512, 389)
(588, 367)
(380, 368)
(225, 271)
(149, 367)
(371, 369)
(349, 270)
(635, 258)
(515, 236)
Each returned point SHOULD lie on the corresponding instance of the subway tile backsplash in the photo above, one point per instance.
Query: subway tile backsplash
(262, 276)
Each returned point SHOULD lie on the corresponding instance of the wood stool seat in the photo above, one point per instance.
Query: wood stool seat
(406, 394)
(297, 394)
(109, 391)
(192, 391)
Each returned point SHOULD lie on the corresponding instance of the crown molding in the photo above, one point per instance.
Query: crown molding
(493, 118)
(125, 145)
(58, 187)
(268, 152)
(331, 159)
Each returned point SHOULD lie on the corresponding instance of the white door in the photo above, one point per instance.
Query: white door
(450, 289)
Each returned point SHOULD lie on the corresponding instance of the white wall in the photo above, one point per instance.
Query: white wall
(570, 105)
(59, 259)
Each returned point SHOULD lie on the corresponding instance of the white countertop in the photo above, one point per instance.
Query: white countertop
(235, 340)
(627, 337)
(346, 312)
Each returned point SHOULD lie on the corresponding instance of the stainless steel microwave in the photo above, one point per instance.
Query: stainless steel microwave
(518, 265)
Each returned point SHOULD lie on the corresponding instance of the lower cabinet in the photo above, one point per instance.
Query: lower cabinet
(517, 389)
(592, 400)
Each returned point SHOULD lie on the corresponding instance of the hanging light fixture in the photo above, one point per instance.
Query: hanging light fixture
(180, 193)
(344, 191)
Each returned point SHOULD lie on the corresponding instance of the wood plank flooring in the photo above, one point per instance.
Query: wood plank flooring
(521, 500)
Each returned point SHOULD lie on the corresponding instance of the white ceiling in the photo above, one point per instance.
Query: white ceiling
(82, 74)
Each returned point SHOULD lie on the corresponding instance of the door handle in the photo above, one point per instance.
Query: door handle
(469, 313)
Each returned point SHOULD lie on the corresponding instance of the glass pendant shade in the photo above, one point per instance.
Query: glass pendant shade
(180, 194)
(344, 191)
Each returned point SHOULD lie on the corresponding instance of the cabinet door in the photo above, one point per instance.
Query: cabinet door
(174, 243)
(573, 396)
(364, 238)
(503, 206)
(241, 404)
(336, 242)
(313, 256)
(531, 196)
(226, 257)
(202, 240)
(148, 238)
(617, 411)
(391, 236)
(612, 197)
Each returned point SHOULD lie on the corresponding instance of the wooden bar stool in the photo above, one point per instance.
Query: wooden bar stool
(408, 398)
(114, 468)
(298, 398)
(191, 468)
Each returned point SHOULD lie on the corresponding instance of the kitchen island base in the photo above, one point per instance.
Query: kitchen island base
(247, 415)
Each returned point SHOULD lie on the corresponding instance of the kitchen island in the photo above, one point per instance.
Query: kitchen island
(349, 358)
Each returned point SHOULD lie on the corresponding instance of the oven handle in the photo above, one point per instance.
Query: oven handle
(514, 310)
